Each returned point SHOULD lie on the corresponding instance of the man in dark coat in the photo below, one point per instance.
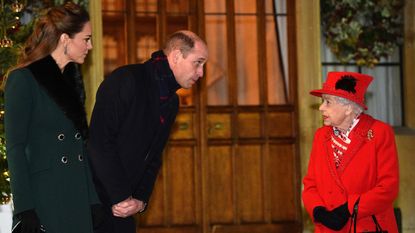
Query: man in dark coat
(136, 105)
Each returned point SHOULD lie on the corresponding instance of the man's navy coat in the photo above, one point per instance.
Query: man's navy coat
(127, 135)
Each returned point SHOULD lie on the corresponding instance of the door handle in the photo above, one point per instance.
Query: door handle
(215, 126)
(218, 125)
(183, 125)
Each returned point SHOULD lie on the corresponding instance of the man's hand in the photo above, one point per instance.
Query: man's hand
(128, 207)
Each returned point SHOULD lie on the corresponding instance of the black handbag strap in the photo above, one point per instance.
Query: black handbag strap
(354, 216)
(354, 219)
(378, 228)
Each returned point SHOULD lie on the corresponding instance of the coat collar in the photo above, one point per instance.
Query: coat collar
(66, 89)
(164, 75)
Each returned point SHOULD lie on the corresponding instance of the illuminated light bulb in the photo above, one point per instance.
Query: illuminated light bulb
(6, 43)
(17, 7)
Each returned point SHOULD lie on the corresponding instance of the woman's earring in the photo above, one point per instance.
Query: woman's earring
(65, 49)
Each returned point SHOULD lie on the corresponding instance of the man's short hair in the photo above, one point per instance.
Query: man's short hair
(185, 42)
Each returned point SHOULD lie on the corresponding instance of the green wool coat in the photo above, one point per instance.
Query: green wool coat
(46, 130)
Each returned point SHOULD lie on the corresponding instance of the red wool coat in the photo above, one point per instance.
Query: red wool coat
(369, 171)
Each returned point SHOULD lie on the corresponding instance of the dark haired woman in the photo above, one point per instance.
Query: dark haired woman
(46, 128)
(353, 174)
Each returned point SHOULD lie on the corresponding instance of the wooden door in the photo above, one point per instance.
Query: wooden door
(231, 164)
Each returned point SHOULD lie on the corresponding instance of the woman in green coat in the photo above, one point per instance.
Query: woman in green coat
(46, 128)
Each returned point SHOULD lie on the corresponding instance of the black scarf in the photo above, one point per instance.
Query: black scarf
(167, 82)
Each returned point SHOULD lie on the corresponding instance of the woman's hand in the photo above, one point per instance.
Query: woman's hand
(335, 219)
(30, 222)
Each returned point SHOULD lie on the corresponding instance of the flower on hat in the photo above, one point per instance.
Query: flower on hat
(347, 83)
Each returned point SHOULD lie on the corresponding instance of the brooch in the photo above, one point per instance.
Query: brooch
(370, 134)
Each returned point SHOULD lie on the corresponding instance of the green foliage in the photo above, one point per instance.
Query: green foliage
(16, 30)
(362, 30)
(8, 55)
(4, 173)
(83, 3)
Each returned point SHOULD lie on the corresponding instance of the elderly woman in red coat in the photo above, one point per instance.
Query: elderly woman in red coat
(352, 178)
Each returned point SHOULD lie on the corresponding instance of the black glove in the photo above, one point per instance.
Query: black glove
(30, 222)
(330, 219)
(343, 212)
(99, 215)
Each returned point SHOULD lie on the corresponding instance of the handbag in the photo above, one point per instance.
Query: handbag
(17, 228)
(354, 220)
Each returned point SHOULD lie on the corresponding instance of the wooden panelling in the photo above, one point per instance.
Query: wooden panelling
(249, 125)
(220, 184)
(250, 190)
(282, 182)
(285, 227)
(280, 124)
(154, 216)
(173, 200)
(183, 127)
(219, 125)
(175, 229)
(181, 189)
(113, 5)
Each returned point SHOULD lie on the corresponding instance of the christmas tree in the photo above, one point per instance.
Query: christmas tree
(12, 33)
(4, 173)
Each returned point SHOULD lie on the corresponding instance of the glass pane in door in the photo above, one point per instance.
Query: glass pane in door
(217, 76)
(247, 59)
(276, 51)
(114, 33)
(113, 5)
(146, 36)
(215, 6)
(145, 5)
(276, 6)
(178, 6)
(245, 6)
(177, 22)
(275, 64)
(217, 79)
(246, 52)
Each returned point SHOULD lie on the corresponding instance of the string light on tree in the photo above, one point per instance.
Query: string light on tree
(17, 6)
(9, 20)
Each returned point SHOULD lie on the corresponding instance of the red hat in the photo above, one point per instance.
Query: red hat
(349, 85)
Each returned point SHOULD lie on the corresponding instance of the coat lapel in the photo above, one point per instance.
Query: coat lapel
(329, 157)
(359, 137)
(66, 89)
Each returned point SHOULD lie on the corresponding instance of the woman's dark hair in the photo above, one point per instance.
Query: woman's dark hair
(68, 18)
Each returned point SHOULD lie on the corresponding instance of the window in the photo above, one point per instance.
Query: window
(384, 95)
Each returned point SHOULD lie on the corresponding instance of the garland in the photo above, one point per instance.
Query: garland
(362, 30)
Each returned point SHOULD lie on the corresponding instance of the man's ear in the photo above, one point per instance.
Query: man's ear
(176, 55)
